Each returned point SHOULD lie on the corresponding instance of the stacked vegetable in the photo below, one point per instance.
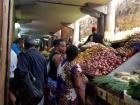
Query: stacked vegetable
(98, 60)
(89, 52)
(134, 89)
(112, 83)
(89, 45)
(134, 39)
(125, 51)
(124, 76)
(101, 63)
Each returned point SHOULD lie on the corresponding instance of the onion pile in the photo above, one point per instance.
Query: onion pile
(89, 52)
(102, 63)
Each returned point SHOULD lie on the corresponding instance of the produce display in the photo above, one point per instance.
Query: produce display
(136, 72)
(89, 52)
(125, 51)
(112, 83)
(98, 60)
(102, 63)
(124, 76)
(134, 39)
(89, 45)
(134, 89)
(103, 80)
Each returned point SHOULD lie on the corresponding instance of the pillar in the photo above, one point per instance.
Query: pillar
(9, 41)
(4, 25)
(110, 19)
(76, 33)
(101, 25)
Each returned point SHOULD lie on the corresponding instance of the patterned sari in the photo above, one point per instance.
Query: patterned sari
(66, 90)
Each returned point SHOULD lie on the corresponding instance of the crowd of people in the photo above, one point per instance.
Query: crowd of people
(55, 80)
(35, 80)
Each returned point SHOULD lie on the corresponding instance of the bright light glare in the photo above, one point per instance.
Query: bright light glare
(17, 25)
(19, 35)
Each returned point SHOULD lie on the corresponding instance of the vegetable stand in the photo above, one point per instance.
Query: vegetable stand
(111, 90)
(129, 66)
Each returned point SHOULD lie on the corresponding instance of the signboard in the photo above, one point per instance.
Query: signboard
(86, 25)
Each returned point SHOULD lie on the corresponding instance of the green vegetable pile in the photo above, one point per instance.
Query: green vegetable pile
(134, 89)
(118, 86)
(111, 82)
(103, 80)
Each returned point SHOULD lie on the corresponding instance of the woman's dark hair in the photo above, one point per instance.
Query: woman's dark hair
(57, 42)
(18, 40)
(71, 52)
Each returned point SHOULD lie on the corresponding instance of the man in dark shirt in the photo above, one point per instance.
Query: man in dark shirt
(31, 61)
(55, 59)
(95, 37)
(56, 56)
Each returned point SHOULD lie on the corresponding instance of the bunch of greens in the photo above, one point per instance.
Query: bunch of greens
(118, 86)
(103, 80)
(112, 82)
(134, 89)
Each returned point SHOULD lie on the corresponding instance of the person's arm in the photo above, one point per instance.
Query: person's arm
(12, 97)
(100, 38)
(88, 40)
(57, 59)
(80, 87)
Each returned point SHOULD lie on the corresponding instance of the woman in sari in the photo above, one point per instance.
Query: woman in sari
(71, 81)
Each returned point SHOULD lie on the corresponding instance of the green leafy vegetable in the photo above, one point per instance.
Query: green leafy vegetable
(134, 89)
(112, 82)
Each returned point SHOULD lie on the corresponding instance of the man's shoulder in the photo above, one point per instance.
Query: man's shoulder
(22, 54)
(53, 53)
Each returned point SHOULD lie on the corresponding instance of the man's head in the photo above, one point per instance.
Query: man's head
(94, 29)
(29, 42)
(60, 45)
(20, 42)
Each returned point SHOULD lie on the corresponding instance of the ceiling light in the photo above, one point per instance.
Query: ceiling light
(17, 25)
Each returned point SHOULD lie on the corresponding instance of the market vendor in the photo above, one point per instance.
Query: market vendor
(95, 37)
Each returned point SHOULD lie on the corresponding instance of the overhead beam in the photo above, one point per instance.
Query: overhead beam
(60, 3)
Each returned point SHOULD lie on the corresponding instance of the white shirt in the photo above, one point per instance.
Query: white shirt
(13, 63)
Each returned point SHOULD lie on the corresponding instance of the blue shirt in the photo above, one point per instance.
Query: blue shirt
(34, 62)
(16, 49)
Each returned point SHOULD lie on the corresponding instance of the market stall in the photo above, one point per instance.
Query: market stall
(115, 71)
